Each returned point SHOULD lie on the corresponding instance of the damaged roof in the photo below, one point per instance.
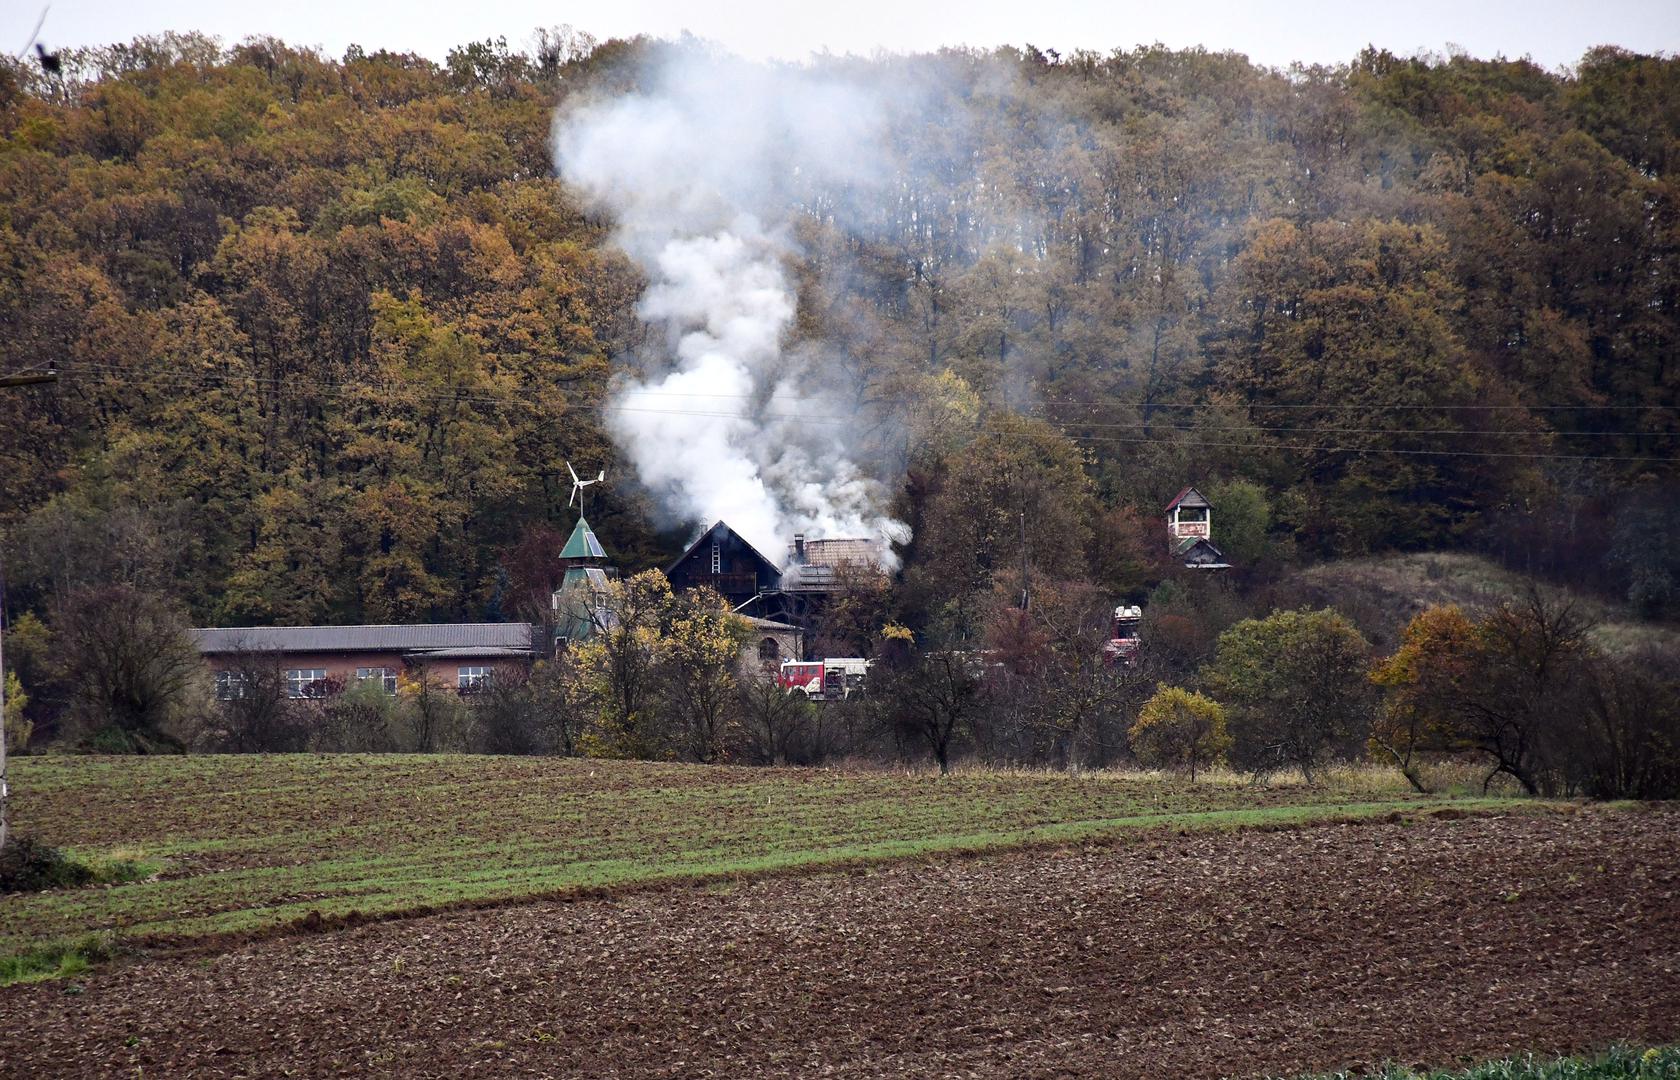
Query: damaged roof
(698, 540)
(836, 552)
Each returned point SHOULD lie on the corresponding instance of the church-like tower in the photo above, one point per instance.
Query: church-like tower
(587, 571)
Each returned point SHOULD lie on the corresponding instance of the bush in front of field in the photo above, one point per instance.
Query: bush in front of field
(1180, 729)
(30, 865)
(1295, 684)
(134, 675)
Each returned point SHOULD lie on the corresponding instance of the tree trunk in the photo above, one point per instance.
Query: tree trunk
(4, 793)
(1407, 769)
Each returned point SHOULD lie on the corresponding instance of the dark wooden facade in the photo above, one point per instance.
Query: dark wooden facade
(722, 559)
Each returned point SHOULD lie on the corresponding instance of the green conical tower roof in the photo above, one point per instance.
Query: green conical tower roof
(587, 574)
(583, 544)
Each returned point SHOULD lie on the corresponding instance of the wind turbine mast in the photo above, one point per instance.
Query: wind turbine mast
(578, 486)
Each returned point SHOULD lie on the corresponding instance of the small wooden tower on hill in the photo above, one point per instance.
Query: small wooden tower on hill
(1189, 514)
(1190, 532)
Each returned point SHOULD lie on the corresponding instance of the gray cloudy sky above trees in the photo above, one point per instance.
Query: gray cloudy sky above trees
(1553, 32)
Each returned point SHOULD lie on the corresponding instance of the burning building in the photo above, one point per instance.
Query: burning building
(722, 559)
(816, 571)
(789, 594)
(825, 566)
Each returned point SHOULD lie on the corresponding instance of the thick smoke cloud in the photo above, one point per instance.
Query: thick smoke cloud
(702, 172)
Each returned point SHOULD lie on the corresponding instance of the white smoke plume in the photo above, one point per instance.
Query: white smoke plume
(702, 171)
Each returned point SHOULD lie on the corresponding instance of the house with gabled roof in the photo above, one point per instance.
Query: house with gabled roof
(311, 661)
(721, 558)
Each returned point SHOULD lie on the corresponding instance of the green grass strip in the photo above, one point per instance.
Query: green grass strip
(255, 844)
(57, 959)
(374, 887)
(1620, 1063)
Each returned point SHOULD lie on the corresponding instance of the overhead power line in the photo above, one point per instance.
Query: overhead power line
(1395, 405)
(361, 393)
(1049, 402)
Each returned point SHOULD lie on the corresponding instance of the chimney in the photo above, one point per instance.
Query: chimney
(798, 547)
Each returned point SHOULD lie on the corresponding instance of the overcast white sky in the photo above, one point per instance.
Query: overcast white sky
(1553, 32)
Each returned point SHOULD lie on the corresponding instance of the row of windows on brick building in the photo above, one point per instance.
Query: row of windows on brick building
(312, 682)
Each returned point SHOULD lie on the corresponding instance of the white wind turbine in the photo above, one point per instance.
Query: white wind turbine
(579, 485)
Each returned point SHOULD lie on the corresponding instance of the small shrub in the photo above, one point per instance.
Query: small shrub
(360, 718)
(29, 865)
(1179, 729)
(18, 726)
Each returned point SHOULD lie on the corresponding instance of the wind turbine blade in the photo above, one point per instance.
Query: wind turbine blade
(601, 477)
(573, 499)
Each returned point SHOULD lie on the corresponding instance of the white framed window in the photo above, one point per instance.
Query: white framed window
(231, 685)
(469, 679)
(386, 677)
(306, 682)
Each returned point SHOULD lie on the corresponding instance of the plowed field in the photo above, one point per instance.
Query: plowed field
(250, 843)
(1237, 953)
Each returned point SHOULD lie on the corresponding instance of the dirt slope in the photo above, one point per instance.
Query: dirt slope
(1381, 593)
(1192, 956)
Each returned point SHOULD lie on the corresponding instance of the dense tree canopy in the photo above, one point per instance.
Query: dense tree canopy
(329, 329)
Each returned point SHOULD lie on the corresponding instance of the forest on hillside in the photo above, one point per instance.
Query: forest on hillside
(328, 329)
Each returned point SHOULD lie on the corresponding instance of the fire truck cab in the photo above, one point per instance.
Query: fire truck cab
(825, 680)
(802, 675)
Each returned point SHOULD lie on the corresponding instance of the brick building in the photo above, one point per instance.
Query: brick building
(310, 659)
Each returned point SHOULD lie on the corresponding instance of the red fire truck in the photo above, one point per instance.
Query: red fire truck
(1124, 640)
(825, 680)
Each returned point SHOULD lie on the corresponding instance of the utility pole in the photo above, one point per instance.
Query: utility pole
(22, 378)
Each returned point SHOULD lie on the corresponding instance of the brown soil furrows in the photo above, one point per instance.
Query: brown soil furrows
(1202, 955)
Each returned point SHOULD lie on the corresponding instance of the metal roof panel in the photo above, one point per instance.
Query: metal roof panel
(583, 543)
(381, 638)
